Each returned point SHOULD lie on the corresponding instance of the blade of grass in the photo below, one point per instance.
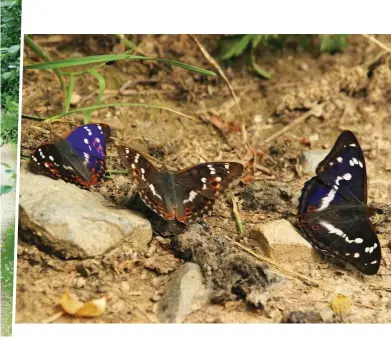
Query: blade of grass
(70, 92)
(38, 51)
(120, 104)
(104, 58)
(125, 41)
(102, 86)
(258, 69)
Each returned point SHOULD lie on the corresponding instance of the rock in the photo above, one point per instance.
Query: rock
(185, 293)
(279, 240)
(327, 315)
(298, 317)
(75, 223)
(311, 159)
(75, 99)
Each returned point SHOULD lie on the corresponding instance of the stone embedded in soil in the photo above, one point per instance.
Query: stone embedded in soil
(75, 223)
(311, 159)
(230, 274)
(185, 293)
(279, 240)
(298, 317)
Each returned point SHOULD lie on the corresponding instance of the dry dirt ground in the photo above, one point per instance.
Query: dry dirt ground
(352, 90)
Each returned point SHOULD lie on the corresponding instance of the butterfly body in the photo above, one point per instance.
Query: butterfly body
(333, 214)
(78, 158)
(186, 195)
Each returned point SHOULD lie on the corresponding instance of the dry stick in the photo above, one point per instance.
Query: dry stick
(377, 42)
(213, 62)
(315, 111)
(273, 263)
(235, 211)
(52, 318)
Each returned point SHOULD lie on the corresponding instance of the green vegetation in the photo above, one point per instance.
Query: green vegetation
(10, 58)
(238, 45)
(96, 62)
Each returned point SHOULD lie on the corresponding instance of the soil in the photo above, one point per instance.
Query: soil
(351, 90)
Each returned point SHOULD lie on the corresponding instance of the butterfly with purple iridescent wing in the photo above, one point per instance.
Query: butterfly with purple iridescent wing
(78, 158)
(333, 214)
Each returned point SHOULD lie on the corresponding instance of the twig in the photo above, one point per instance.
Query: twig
(52, 318)
(273, 263)
(316, 111)
(235, 211)
(377, 42)
(213, 62)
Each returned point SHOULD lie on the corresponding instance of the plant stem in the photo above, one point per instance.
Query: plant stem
(38, 51)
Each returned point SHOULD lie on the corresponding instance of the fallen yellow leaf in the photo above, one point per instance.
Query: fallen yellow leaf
(93, 308)
(70, 304)
(73, 306)
(341, 305)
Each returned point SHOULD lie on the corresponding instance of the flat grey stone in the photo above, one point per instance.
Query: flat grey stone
(74, 222)
(185, 293)
(312, 158)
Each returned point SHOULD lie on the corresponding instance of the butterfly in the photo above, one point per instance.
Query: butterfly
(79, 157)
(187, 195)
(333, 214)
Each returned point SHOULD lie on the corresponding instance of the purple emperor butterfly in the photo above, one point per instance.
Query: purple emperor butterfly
(333, 214)
(186, 195)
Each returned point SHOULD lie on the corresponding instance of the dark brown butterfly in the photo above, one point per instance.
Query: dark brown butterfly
(187, 195)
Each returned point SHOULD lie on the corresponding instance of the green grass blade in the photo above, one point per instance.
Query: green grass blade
(120, 104)
(104, 58)
(38, 51)
(70, 92)
(102, 86)
(258, 69)
(126, 42)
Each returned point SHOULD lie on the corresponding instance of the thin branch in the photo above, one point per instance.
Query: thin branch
(214, 63)
(316, 111)
(377, 42)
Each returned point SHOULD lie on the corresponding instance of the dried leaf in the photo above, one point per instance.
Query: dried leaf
(73, 306)
(70, 304)
(341, 305)
(93, 308)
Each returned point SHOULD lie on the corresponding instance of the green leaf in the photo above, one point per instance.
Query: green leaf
(257, 38)
(258, 69)
(102, 86)
(4, 189)
(70, 92)
(104, 58)
(7, 260)
(238, 48)
(333, 43)
(14, 49)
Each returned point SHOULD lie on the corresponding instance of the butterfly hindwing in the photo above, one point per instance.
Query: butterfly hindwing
(332, 211)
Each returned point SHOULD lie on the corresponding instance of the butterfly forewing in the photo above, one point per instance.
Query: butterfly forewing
(58, 160)
(78, 158)
(149, 180)
(332, 211)
(209, 179)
